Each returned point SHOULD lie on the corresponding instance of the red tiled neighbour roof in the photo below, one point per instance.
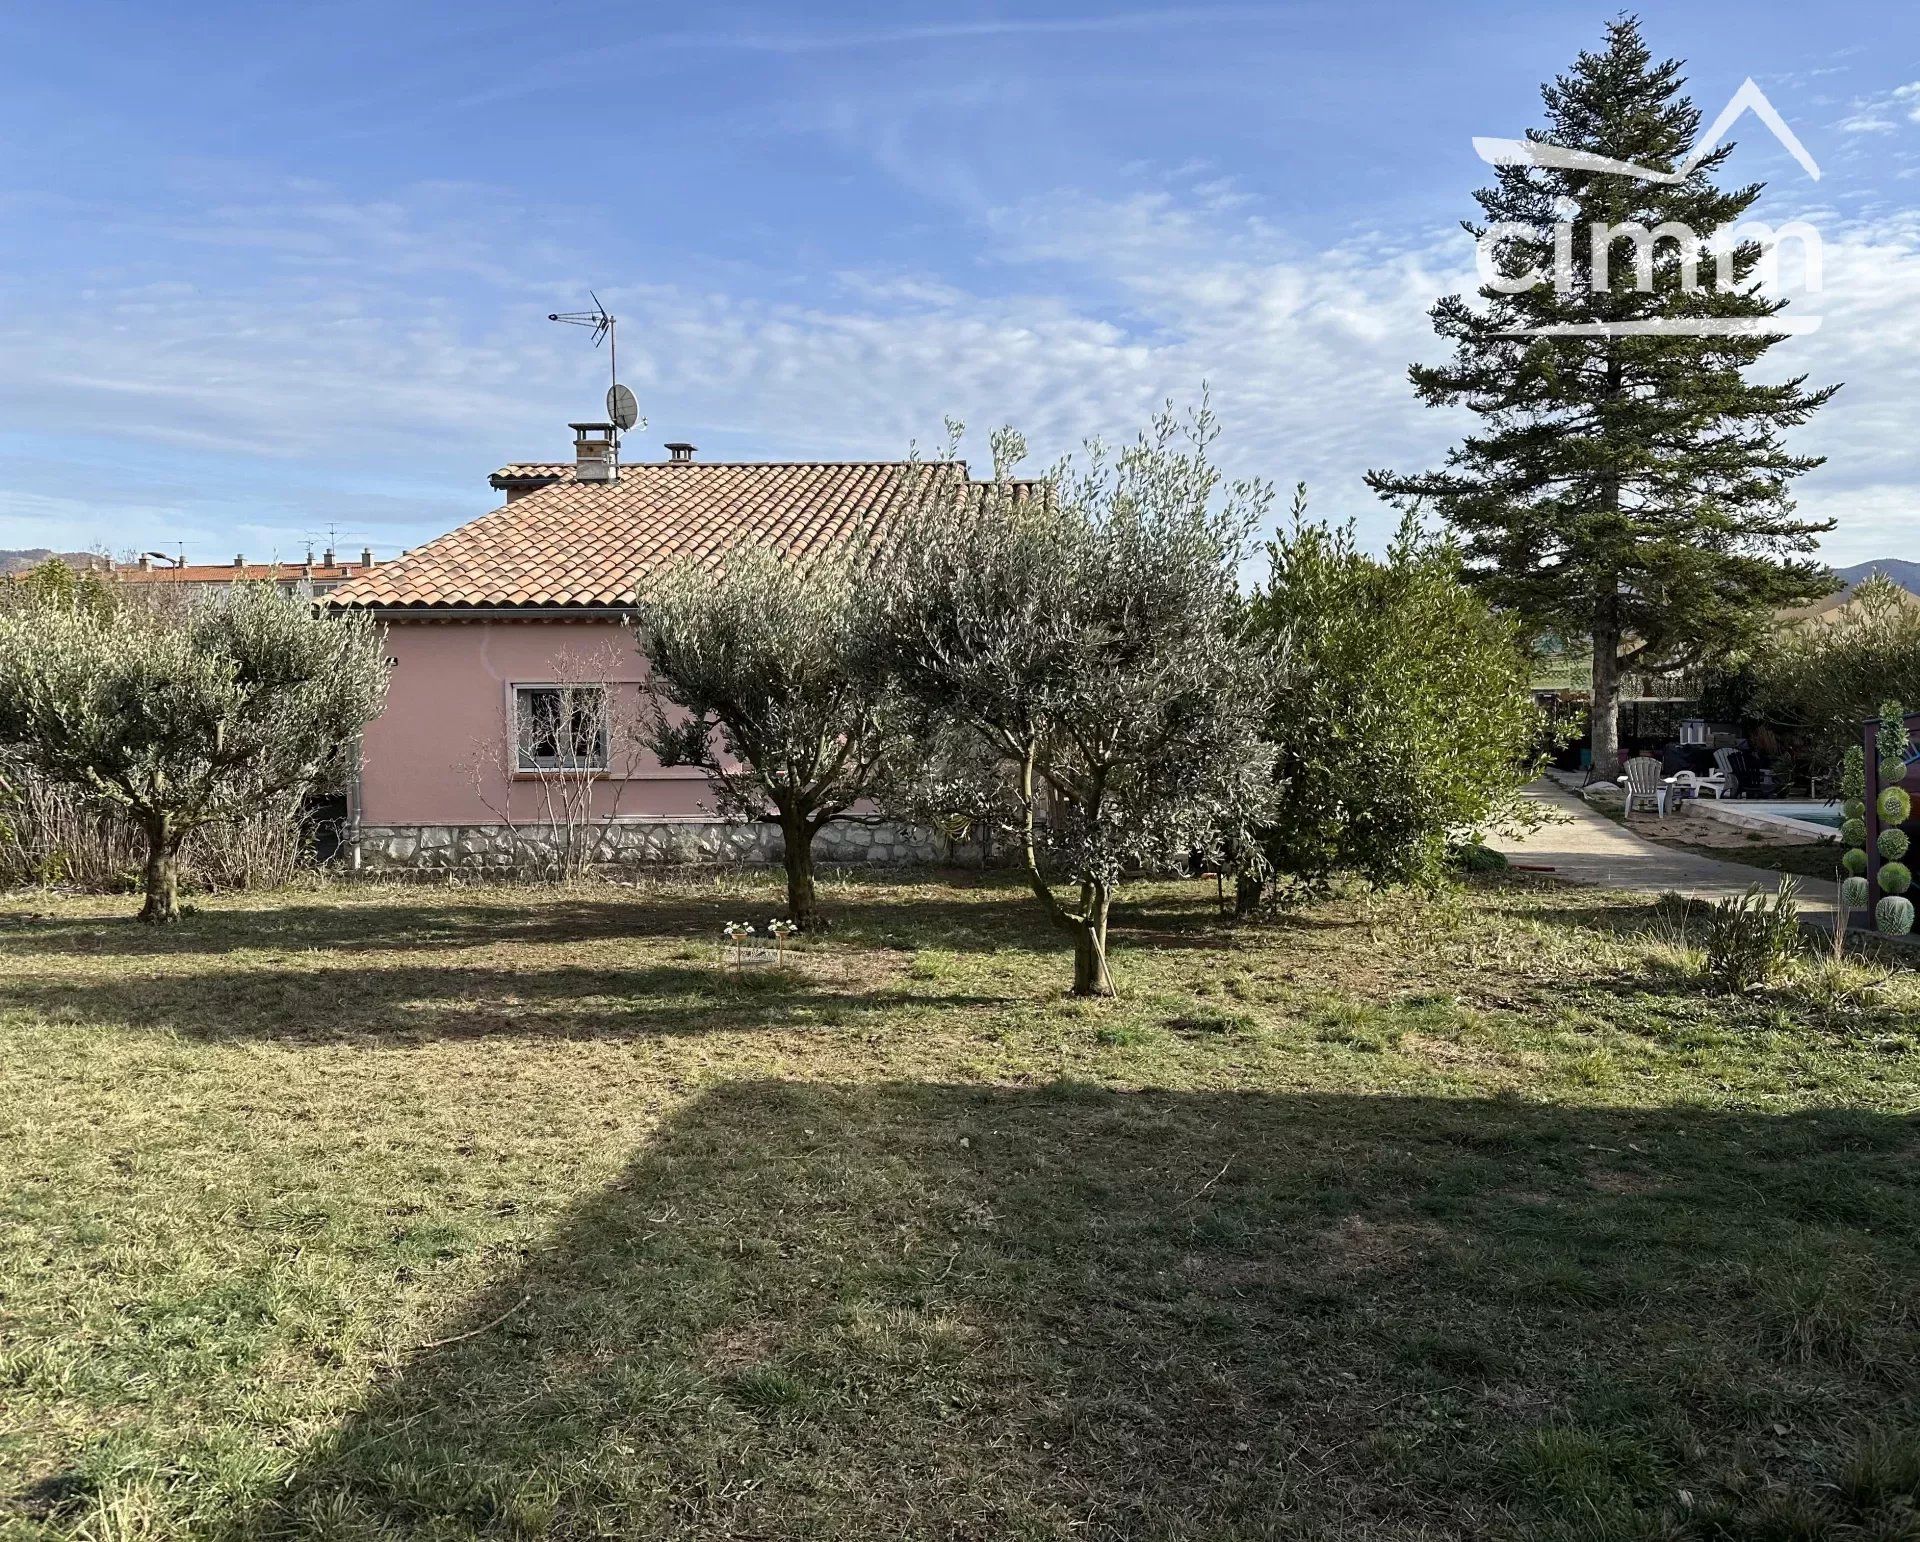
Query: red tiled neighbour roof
(238, 573)
(590, 543)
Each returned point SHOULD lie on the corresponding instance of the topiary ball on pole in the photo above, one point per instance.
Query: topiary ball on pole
(1891, 807)
(1855, 892)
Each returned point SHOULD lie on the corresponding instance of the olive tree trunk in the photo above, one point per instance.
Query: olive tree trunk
(163, 879)
(802, 908)
(1090, 974)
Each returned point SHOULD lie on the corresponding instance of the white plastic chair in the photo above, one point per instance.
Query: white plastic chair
(1643, 780)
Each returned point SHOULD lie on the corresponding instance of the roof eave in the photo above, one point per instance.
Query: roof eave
(441, 611)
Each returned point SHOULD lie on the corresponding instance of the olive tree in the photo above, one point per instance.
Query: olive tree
(752, 675)
(1087, 628)
(191, 716)
(1400, 714)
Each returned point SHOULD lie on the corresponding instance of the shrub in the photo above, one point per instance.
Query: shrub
(1854, 808)
(1750, 939)
(1854, 832)
(1854, 893)
(1894, 915)
(1895, 806)
(1822, 680)
(1477, 857)
(1854, 860)
(1400, 709)
(1894, 878)
(1893, 844)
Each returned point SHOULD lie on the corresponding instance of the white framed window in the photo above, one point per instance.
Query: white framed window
(560, 727)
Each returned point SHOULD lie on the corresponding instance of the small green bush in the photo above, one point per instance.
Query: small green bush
(1854, 860)
(1750, 939)
(1853, 893)
(1893, 844)
(1854, 832)
(1894, 915)
(1476, 857)
(1892, 773)
(1894, 878)
(1895, 806)
(1854, 808)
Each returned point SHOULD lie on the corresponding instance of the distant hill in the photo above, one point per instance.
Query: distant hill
(33, 556)
(1905, 574)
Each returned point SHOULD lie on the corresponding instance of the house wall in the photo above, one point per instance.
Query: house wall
(438, 788)
(441, 753)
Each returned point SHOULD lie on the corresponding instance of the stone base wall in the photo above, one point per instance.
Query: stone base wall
(534, 848)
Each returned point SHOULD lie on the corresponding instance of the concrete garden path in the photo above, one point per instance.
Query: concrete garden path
(1583, 846)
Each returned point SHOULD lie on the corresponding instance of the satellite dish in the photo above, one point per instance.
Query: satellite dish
(622, 410)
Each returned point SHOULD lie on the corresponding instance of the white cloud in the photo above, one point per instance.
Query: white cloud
(1880, 114)
(328, 379)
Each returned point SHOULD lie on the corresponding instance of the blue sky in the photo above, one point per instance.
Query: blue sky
(269, 269)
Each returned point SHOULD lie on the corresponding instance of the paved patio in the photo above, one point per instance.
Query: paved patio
(1583, 846)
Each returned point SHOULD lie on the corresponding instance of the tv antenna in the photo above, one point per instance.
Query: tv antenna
(620, 402)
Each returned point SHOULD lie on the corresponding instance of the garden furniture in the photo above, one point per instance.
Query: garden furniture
(1643, 780)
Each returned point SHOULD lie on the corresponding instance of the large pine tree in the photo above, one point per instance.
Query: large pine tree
(1628, 488)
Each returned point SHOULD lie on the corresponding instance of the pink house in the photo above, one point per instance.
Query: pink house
(511, 717)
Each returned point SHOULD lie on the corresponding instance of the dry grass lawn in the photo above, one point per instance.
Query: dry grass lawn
(453, 1213)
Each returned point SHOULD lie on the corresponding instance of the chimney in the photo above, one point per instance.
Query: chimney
(326, 559)
(366, 556)
(145, 563)
(239, 560)
(680, 453)
(593, 450)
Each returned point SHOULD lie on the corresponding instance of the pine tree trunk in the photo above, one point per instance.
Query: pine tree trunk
(801, 908)
(163, 882)
(1090, 974)
(1606, 703)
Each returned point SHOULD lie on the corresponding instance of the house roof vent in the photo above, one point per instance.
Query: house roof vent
(680, 453)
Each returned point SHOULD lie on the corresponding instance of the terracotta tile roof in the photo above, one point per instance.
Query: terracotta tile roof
(589, 543)
(531, 473)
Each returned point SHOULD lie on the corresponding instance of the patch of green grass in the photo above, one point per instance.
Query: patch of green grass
(498, 1212)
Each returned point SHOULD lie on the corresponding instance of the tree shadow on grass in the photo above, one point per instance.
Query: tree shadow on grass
(962, 913)
(409, 1004)
(953, 1312)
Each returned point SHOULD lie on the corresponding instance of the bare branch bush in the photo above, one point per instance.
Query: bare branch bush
(574, 743)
